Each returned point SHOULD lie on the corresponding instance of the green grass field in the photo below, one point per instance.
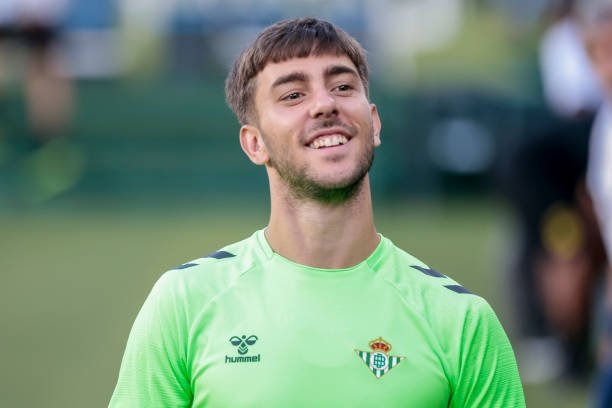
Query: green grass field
(72, 283)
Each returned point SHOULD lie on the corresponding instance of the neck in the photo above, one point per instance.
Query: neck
(323, 235)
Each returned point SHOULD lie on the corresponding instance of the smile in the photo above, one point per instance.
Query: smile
(328, 141)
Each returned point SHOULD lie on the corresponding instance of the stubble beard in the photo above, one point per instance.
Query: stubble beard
(302, 186)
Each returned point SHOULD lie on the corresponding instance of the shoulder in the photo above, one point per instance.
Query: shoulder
(201, 279)
(457, 318)
(440, 299)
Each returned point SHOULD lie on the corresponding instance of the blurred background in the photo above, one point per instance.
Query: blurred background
(119, 159)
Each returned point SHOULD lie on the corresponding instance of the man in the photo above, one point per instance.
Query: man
(317, 309)
(597, 21)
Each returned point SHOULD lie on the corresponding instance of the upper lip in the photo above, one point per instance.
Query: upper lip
(337, 130)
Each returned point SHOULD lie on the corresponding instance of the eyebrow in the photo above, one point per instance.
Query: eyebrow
(335, 70)
(291, 77)
(300, 76)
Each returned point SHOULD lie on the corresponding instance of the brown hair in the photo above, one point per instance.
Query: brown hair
(287, 39)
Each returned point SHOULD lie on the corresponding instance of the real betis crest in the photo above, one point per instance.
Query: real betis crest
(378, 360)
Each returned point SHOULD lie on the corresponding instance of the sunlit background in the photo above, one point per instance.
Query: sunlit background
(119, 159)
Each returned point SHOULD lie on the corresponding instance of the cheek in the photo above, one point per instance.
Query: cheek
(368, 119)
(275, 138)
(280, 120)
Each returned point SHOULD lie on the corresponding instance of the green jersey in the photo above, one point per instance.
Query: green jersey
(245, 327)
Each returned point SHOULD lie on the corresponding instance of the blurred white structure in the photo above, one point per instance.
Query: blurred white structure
(393, 31)
(400, 29)
(570, 83)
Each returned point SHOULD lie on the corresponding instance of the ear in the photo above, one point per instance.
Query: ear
(253, 145)
(376, 124)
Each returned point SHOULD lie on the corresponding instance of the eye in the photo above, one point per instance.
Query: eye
(292, 96)
(345, 88)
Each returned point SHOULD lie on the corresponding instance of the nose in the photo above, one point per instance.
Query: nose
(323, 104)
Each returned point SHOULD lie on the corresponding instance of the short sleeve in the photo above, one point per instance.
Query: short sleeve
(153, 371)
(487, 373)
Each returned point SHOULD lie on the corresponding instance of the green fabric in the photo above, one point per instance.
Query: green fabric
(257, 330)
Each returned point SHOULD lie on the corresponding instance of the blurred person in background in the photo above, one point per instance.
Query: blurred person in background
(569, 82)
(560, 253)
(314, 309)
(597, 23)
(36, 26)
(30, 47)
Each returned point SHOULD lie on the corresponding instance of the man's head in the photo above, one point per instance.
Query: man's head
(298, 38)
(300, 93)
(596, 20)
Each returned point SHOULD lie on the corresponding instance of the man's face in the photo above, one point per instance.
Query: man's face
(600, 48)
(317, 124)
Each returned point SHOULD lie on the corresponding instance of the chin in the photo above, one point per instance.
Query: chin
(337, 181)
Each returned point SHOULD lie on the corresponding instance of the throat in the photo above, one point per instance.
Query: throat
(329, 238)
(338, 256)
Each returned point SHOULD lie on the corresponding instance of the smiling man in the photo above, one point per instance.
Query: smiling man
(333, 153)
(318, 309)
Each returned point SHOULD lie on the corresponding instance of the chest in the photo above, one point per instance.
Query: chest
(357, 347)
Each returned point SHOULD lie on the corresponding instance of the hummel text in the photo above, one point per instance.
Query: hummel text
(243, 359)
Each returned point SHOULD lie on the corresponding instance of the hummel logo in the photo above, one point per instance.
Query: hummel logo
(243, 342)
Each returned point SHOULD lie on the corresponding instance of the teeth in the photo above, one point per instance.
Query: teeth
(328, 141)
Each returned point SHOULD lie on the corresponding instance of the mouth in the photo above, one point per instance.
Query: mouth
(328, 138)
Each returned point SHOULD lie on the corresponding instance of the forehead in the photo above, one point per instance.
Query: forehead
(312, 67)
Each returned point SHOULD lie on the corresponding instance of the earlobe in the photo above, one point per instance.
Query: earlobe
(376, 125)
(253, 144)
